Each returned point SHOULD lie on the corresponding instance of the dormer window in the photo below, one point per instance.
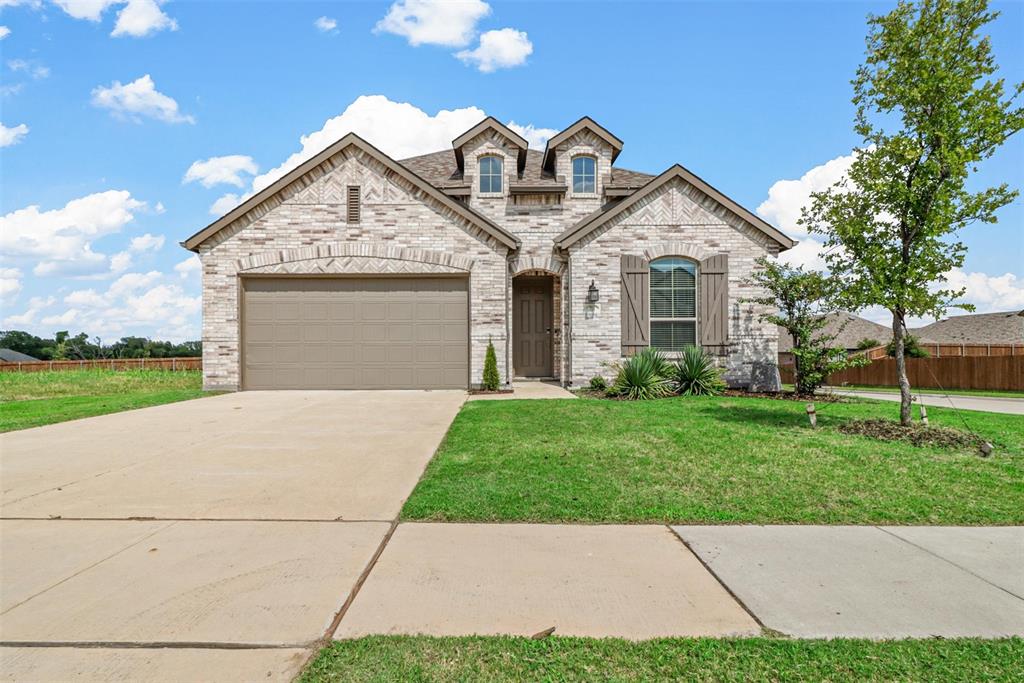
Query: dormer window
(584, 175)
(490, 175)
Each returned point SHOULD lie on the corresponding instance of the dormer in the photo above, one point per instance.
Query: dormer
(490, 156)
(583, 154)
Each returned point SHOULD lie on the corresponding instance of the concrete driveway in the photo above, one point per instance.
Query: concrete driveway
(181, 533)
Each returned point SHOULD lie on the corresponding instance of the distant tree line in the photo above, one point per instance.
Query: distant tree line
(64, 346)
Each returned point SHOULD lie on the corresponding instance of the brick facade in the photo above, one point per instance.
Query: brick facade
(402, 229)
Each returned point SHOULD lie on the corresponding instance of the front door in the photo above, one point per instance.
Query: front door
(532, 315)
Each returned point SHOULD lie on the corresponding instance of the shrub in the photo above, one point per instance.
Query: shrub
(492, 380)
(695, 374)
(642, 377)
(597, 383)
(911, 348)
(867, 343)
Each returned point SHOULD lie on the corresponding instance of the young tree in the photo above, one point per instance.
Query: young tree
(928, 111)
(802, 300)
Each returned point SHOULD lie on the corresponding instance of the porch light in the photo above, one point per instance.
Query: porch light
(593, 294)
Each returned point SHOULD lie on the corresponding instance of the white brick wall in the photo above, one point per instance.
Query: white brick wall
(398, 223)
(403, 230)
(672, 216)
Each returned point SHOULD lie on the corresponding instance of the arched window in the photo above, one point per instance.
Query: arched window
(673, 303)
(584, 175)
(490, 174)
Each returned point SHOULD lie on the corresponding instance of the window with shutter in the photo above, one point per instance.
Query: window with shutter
(352, 214)
(634, 278)
(714, 303)
(673, 303)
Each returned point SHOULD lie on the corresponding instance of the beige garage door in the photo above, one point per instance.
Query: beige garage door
(348, 333)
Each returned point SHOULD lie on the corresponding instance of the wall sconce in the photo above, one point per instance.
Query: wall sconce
(593, 294)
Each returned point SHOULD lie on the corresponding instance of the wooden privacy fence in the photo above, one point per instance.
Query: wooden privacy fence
(191, 363)
(946, 372)
(947, 350)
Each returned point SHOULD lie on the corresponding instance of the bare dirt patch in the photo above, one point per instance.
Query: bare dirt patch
(917, 434)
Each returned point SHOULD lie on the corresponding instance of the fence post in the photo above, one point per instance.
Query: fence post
(174, 364)
(143, 363)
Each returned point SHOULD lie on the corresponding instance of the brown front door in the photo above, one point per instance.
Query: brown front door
(532, 315)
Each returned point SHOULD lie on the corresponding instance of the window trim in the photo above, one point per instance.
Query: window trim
(696, 303)
(500, 175)
(572, 173)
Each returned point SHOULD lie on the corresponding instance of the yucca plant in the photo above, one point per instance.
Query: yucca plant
(695, 374)
(643, 377)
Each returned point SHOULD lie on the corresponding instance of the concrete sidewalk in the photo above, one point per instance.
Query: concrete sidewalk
(528, 389)
(871, 582)
(990, 404)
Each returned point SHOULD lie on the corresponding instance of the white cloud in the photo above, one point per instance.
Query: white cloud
(808, 252)
(989, 293)
(62, 238)
(35, 305)
(326, 25)
(65, 318)
(135, 304)
(4, 32)
(537, 137)
(141, 18)
(90, 10)
(787, 197)
(147, 242)
(225, 203)
(10, 283)
(434, 22)
(138, 99)
(13, 89)
(120, 262)
(501, 49)
(30, 67)
(227, 169)
(398, 128)
(190, 265)
(12, 136)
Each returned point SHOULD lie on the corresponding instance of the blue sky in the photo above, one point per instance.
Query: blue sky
(106, 106)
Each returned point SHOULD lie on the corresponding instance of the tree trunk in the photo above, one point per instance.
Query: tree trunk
(898, 330)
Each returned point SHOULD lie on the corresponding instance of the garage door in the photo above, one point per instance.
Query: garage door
(348, 333)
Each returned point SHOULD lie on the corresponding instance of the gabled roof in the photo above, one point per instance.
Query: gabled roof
(494, 124)
(979, 328)
(595, 220)
(849, 330)
(12, 356)
(477, 219)
(585, 123)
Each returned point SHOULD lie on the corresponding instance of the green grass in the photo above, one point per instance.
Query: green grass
(712, 460)
(421, 658)
(33, 399)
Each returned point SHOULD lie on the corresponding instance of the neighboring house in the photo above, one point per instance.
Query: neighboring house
(849, 330)
(980, 328)
(355, 270)
(12, 356)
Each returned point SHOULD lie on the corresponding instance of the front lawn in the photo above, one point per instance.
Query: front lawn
(32, 399)
(713, 460)
(421, 658)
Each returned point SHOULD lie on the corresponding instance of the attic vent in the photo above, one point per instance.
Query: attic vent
(352, 213)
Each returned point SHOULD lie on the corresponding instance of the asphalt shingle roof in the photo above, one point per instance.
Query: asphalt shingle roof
(856, 328)
(1006, 327)
(441, 170)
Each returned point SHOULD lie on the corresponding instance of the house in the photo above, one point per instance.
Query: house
(12, 356)
(848, 329)
(356, 270)
(980, 328)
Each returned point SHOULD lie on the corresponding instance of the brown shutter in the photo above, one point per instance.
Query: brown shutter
(714, 303)
(634, 278)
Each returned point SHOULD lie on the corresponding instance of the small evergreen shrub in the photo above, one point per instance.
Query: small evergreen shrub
(597, 383)
(695, 374)
(643, 377)
(492, 380)
(867, 343)
(911, 348)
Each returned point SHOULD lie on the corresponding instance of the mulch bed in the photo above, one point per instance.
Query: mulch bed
(916, 433)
